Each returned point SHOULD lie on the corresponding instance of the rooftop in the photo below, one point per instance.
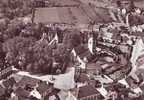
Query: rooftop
(60, 15)
(77, 15)
(22, 92)
(27, 80)
(64, 2)
(90, 91)
(9, 82)
(43, 87)
(2, 90)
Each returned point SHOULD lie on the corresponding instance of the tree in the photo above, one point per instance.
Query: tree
(62, 57)
(41, 59)
(17, 49)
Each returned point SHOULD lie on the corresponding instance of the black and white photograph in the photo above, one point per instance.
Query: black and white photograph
(71, 49)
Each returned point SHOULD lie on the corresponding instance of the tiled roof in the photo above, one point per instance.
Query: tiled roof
(47, 15)
(27, 80)
(96, 66)
(87, 91)
(98, 14)
(22, 93)
(83, 77)
(72, 15)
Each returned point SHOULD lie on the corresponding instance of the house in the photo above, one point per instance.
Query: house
(82, 15)
(88, 92)
(93, 68)
(83, 77)
(6, 72)
(27, 84)
(27, 81)
(60, 15)
(44, 88)
(9, 82)
(22, 94)
(83, 51)
(2, 91)
(97, 14)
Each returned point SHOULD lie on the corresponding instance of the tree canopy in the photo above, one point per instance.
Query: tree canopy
(17, 48)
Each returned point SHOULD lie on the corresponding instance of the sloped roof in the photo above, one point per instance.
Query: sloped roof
(66, 15)
(64, 2)
(27, 80)
(139, 3)
(87, 90)
(97, 14)
(45, 15)
(81, 49)
(94, 66)
(83, 77)
(22, 92)
(72, 15)
(43, 87)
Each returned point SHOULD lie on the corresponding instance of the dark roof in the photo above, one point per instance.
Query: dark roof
(94, 66)
(81, 49)
(22, 92)
(98, 65)
(9, 82)
(27, 80)
(116, 74)
(87, 54)
(43, 87)
(2, 90)
(97, 14)
(87, 90)
(54, 92)
(130, 81)
(83, 77)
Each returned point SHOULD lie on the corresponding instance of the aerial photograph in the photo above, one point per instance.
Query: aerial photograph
(71, 49)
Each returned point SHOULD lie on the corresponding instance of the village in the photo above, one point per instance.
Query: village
(71, 50)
